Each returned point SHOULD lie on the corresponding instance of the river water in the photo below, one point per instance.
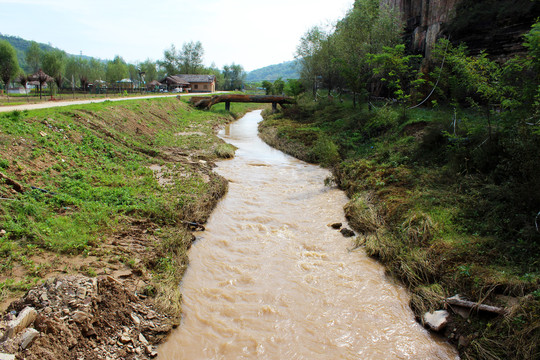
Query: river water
(268, 279)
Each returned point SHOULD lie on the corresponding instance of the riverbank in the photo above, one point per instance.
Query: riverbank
(111, 192)
(440, 231)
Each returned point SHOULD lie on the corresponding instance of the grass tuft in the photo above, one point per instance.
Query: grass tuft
(225, 151)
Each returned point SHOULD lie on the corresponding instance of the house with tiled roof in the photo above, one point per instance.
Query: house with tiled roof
(199, 83)
(191, 82)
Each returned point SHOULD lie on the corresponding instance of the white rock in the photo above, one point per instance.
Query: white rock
(23, 320)
(135, 319)
(436, 320)
(142, 339)
(7, 356)
(28, 336)
(125, 339)
(150, 351)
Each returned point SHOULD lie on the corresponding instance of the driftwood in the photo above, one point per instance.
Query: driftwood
(457, 301)
(206, 102)
(16, 185)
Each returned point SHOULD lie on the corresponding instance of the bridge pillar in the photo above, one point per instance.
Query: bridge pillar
(227, 105)
(274, 107)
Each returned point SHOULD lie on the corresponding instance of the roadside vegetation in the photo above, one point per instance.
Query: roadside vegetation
(72, 76)
(446, 194)
(97, 189)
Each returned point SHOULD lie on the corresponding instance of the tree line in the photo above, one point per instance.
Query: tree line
(364, 55)
(77, 72)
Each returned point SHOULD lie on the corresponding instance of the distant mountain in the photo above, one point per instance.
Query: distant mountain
(21, 45)
(285, 70)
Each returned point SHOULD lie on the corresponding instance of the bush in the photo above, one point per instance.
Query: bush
(325, 152)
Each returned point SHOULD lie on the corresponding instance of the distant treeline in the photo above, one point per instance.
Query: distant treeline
(20, 58)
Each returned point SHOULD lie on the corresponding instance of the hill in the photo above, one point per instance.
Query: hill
(22, 45)
(285, 70)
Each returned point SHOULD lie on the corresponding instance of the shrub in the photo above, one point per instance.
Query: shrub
(325, 152)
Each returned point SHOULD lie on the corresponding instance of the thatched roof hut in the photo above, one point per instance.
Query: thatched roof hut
(41, 77)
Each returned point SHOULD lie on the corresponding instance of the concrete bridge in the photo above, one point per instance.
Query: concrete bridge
(206, 102)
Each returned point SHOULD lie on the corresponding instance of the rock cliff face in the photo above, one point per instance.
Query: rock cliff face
(496, 26)
(423, 20)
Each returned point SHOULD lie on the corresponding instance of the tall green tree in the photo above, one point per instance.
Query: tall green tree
(328, 63)
(308, 54)
(170, 62)
(268, 87)
(9, 66)
(150, 70)
(220, 79)
(279, 85)
(400, 72)
(233, 76)
(97, 70)
(76, 68)
(294, 87)
(367, 28)
(54, 64)
(191, 58)
(33, 56)
(117, 70)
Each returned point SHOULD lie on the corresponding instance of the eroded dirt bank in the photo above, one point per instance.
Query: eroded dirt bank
(77, 317)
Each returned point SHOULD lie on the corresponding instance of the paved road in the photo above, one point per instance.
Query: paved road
(51, 104)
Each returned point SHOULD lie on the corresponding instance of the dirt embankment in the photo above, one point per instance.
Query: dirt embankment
(77, 317)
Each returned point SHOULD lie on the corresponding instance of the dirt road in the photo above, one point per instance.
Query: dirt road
(49, 104)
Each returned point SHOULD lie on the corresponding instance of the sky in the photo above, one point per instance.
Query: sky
(252, 33)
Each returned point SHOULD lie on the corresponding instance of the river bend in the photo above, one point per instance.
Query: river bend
(268, 279)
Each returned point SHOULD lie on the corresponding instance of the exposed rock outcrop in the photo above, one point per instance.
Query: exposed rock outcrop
(75, 317)
(423, 20)
(496, 26)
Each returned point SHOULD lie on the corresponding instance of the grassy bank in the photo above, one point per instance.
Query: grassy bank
(447, 207)
(108, 188)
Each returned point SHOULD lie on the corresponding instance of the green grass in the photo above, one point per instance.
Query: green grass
(90, 165)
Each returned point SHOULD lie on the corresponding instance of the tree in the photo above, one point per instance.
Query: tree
(9, 66)
(294, 88)
(532, 42)
(279, 85)
(150, 70)
(401, 72)
(366, 28)
(307, 54)
(191, 58)
(116, 70)
(97, 70)
(54, 65)
(23, 80)
(233, 77)
(268, 87)
(170, 62)
(33, 56)
(220, 78)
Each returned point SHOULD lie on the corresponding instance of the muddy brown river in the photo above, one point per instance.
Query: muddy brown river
(268, 279)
